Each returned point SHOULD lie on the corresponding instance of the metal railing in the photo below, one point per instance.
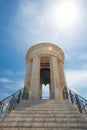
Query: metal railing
(9, 103)
(79, 101)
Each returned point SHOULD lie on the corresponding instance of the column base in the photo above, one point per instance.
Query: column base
(25, 93)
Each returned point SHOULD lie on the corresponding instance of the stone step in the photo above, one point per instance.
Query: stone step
(62, 104)
(48, 119)
(44, 103)
(48, 112)
(53, 106)
(46, 108)
(28, 102)
(41, 105)
(62, 107)
(44, 116)
(42, 128)
(55, 103)
(27, 111)
(45, 113)
(33, 102)
(49, 102)
(44, 124)
(45, 100)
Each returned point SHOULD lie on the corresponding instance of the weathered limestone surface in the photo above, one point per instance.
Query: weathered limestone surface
(45, 56)
(55, 80)
(28, 75)
(35, 79)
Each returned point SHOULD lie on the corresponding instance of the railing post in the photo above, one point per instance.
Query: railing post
(71, 97)
(78, 103)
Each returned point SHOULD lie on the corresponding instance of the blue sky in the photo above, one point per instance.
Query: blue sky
(24, 23)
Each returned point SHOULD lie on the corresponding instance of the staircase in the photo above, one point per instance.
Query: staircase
(44, 115)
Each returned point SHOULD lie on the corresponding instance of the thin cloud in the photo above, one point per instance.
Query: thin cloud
(10, 73)
(10, 82)
(10, 88)
(5, 80)
(32, 24)
(15, 85)
(83, 56)
(76, 78)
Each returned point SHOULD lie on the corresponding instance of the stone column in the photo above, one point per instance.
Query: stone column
(35, 79)
(63, 79)
(27, 80)
(28, 75)
(55, 79)
(62, 75)
(52, 87)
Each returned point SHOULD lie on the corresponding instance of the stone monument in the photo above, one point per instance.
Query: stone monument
(45, 65)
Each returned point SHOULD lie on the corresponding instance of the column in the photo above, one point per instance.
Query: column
(28, 74)
(35, 79)
(27, 80)
(62, 75)
(52, 86)
(63, 80)
(55, 79)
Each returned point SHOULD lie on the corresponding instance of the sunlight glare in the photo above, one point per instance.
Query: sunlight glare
(66, 13)
(50, 48)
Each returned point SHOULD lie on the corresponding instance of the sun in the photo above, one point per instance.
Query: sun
(65, 13)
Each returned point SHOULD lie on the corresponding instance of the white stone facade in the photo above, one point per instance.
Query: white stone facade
(48, 58)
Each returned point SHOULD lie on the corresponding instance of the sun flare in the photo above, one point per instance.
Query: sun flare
(65, 13)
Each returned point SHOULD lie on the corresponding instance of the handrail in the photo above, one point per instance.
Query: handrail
(80, 102)
(77, 94)
(11, 95)
(9, 103)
